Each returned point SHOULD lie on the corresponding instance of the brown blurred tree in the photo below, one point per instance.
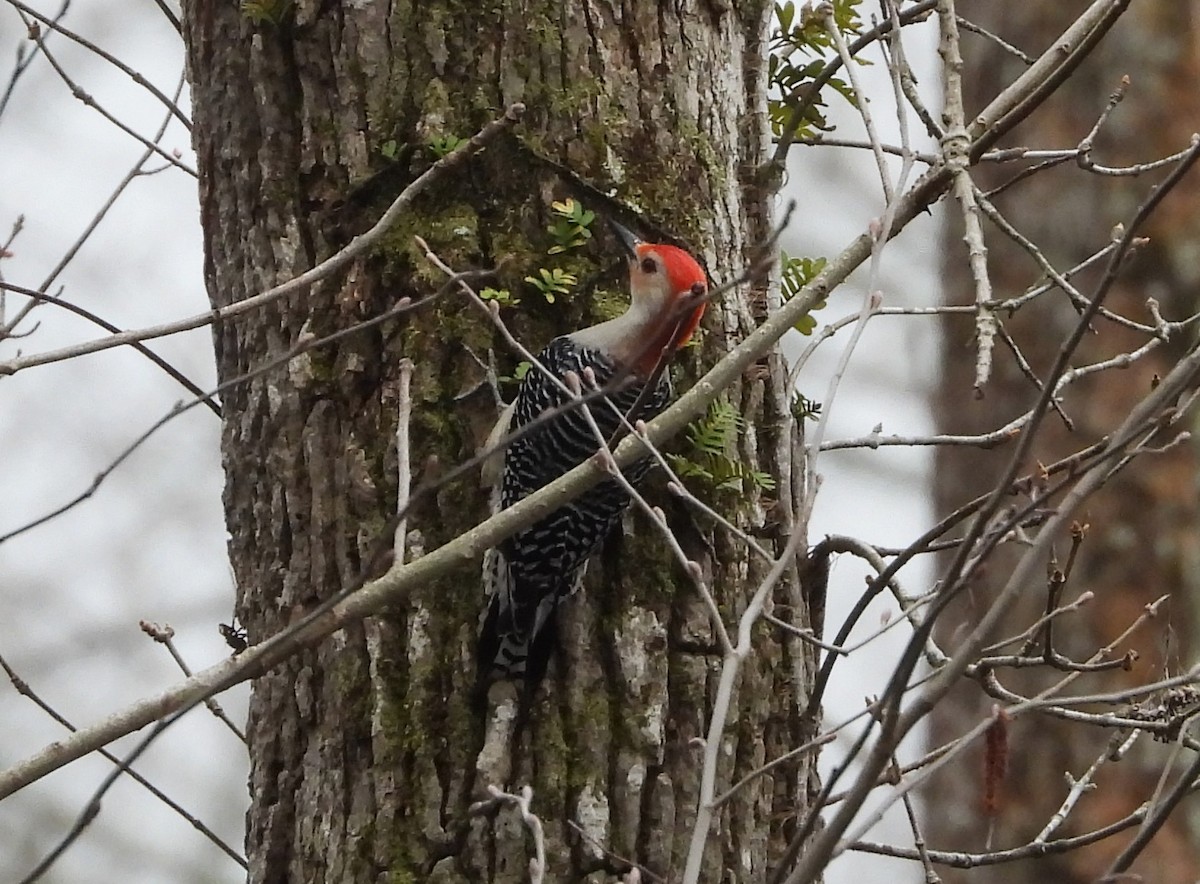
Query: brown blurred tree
(1142, 535)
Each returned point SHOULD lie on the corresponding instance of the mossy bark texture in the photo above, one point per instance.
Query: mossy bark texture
(365, 750)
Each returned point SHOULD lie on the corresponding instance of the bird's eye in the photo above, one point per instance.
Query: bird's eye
(648, 265)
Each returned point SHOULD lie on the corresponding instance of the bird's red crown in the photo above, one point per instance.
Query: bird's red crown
(686, 277)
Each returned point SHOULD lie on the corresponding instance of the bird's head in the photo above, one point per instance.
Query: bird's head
(667, 282)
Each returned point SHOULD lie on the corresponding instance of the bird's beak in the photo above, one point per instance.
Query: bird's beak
(627, 238)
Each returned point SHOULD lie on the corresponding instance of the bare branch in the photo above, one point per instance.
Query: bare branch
(23, 688)
(955, 146)
(537, 865)
(165, 636)
(1117, 748)
(403, 459)
(895, 724)
(54, 23)
(325, 269)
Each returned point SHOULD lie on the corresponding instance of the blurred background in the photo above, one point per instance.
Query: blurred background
(150, 543)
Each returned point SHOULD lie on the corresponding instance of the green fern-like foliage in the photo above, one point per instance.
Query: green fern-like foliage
(719, 429)
(440, 145)
(795, 274)
(552, 283)
(805, 409)
(798, 52)
(271, 12)
(708, 459)
(572, 226)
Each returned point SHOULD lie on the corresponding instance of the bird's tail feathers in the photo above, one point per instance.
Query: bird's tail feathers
(518, 626)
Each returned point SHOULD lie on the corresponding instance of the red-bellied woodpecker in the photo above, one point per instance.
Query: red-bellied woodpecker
(528, 575)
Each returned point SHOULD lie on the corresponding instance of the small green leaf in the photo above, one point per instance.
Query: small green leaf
(271, 12)
(763, 480)
(440, 145)
(552, 282)
(804, 408)
(795, 274)
(519, 372)
(503, 297)
(784, 12)
(798, 51)
(570, 227)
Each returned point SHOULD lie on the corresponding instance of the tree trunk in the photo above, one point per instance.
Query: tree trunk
(309, 119)
(1141, 535)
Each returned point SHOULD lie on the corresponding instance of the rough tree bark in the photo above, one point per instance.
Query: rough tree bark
(1142, 526)
(363, 751)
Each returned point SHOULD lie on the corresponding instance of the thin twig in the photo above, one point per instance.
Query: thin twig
(896, 723)
(721, 708)
(23, 688)
(642, 870)
(303, 346)
(35, 34)
(537, 865)
(657, 516)
(179, 377)
(1115, 751)
(54, 24)
(1007, 47)
(1155, 819)
(362, 243)
(170, 15)
(404, 406)
(825, 10)
(165, 636)
(92, 809)
(931, 877)
(955, 153)
(25, 59)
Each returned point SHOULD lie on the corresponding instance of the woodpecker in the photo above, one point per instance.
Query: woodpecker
(528, 575)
